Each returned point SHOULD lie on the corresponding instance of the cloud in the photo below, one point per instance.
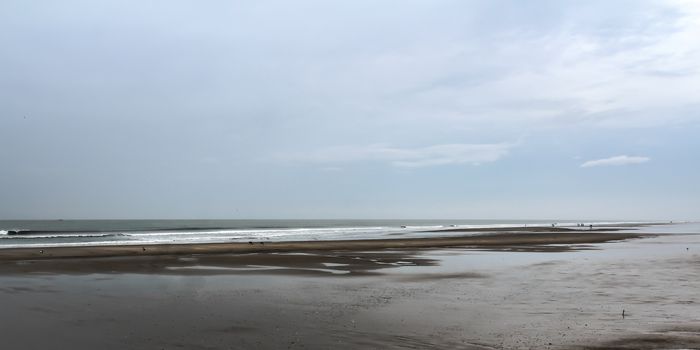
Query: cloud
(445, 154)
(617, 160)
(609, 66)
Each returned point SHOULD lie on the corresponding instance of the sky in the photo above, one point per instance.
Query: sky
(350, 109)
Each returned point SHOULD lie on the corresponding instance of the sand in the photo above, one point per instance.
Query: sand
(548, 290)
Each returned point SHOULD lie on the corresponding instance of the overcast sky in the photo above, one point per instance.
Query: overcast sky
(350, 109)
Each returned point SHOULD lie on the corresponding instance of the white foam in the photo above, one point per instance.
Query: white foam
(75, 235)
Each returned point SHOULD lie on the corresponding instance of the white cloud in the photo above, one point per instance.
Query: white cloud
(617, 160)
(407, 157)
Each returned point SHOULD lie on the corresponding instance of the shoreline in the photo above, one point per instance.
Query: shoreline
(506, 238)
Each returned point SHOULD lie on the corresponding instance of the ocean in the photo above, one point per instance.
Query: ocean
(54, 233)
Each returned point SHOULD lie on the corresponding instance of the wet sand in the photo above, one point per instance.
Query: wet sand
(533, 293)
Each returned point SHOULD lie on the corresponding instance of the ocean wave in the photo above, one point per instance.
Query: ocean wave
(66, 236)
(259, 232)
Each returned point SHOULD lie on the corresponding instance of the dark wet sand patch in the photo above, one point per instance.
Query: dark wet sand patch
(427, 277)
(548, 263)
(316, 264)
(542, 248)
(674, 338)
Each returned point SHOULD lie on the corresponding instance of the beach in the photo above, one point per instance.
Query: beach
(479, 175)
(508, 289)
